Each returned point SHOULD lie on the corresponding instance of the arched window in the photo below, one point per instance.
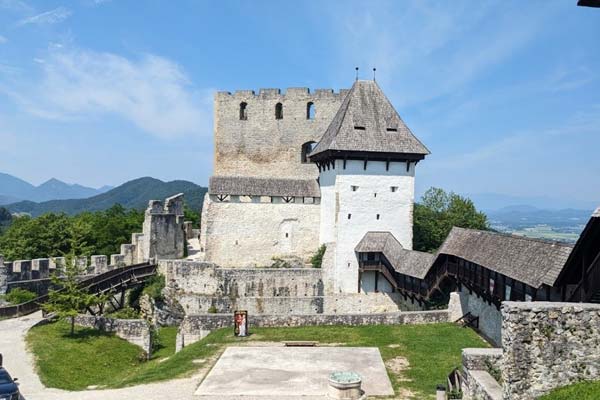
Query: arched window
(278, 111)
(307, 148)
(310, 110)
(243, 111)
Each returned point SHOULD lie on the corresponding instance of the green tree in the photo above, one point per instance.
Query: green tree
(27, 238)
(438, 212)
(5, 219)
(69, 299)
(191, 215)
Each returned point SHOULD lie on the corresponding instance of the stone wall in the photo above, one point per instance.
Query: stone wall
(548, 345)
(200, 286)
(490, 318)
(480, 368)
(196, 327)
(136, 331)
(266, 147)
(253, 234)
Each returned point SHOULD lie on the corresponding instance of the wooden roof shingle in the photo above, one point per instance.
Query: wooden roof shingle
(407, 262)
(247, 186)
(367, 122)
(532, 261)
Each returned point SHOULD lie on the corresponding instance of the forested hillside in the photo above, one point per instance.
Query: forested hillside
(131, 195)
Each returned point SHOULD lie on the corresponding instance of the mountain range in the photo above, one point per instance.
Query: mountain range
(13, 189)
(132, 194)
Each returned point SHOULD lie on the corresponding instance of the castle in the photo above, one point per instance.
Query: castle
(298, 170)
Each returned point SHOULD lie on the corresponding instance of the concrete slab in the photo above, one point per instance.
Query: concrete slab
(291, 372)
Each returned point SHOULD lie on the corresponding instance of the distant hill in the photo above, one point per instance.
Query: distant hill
(13, 189)
(132, 194)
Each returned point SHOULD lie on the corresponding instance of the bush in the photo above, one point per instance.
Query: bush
(154, 287)
(317, 259)
(124, 313)
(212, 310)
(18, 296)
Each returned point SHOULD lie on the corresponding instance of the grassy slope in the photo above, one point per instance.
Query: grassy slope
(99, 359)
(579, 391)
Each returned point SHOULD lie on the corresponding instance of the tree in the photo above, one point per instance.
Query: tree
(69, 299)
(438, 212)
(5, 219)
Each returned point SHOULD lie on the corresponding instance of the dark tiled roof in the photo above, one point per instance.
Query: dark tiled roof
(366, 106)
(532, 261)
(236, 185)
(407, 262)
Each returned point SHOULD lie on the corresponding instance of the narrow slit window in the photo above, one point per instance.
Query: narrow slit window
(394, 188)
(354, 188)
(392, 129)
(374, 194)
(378, 216)
(349, 216)
(310, 110)
(243, 111)
(359, 128)
(278, 111)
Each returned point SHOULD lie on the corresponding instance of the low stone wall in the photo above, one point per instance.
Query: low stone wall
(136, 331)
(490, 318)
(196, 327)
(480, 367)
(548, 345)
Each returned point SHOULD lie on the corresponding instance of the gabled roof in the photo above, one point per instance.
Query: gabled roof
(532, 261)
(366, 107)
(247, 186)
(584, 252)
(407, 262)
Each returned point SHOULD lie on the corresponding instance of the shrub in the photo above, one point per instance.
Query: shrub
(18, 296)
(212, 310)
(317, 259)
(154, 287)
(124, 313)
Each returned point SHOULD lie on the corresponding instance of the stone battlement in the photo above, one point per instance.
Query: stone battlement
(293, 93)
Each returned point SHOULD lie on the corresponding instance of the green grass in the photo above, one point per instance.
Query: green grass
(94, 358)
(579, 391)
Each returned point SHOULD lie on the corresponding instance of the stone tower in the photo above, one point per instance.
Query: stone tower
(366, 160)
(263, 199)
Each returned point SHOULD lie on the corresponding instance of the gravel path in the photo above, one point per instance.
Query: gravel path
(19, 362)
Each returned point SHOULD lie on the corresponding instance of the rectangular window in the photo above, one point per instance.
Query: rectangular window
(392, 129)
(349, 216)
(394, 188)
(378, 216)
(354, 188)
(359, 128)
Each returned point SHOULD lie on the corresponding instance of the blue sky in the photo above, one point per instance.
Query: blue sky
(506, 94)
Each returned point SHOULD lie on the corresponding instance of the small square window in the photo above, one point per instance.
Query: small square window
(394, 188)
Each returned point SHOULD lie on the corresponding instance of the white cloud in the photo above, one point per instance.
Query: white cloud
(49, 17)
(15, 5)
(152, 92)
(3, 39)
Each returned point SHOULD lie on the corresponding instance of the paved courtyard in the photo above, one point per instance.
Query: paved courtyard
(290, 372)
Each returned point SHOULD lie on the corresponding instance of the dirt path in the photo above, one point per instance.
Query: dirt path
(19, 362)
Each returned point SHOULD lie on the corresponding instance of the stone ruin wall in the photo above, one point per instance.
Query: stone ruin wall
(263, 146)
(136, 331)
(548, 345)
(200, 286)
(239, 234)
(490, 318)
(196, 327)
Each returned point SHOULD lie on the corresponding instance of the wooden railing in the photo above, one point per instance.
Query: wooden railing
(117, 278)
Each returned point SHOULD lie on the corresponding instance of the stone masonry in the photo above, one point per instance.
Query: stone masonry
(548, 345)
(263, 146)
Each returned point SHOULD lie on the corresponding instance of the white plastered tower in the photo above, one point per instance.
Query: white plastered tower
(366, 159)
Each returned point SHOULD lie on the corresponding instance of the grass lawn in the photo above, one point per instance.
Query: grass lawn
(579, 391)
(94, 358)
